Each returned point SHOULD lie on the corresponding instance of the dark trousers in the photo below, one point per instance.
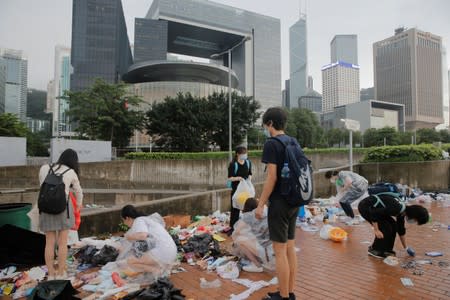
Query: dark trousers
(347, 207)
(388, 226)
(234, 215)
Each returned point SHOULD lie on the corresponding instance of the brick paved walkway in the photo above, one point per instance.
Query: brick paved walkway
(330, 270)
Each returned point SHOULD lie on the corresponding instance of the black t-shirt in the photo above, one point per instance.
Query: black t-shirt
(273, 153)
(242, 171)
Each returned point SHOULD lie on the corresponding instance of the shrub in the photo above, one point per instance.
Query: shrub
(403, 153)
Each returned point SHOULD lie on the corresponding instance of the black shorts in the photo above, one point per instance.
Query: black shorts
(281, 218)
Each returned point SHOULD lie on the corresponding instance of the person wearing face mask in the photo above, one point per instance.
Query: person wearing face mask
(240, 168)
(387, 213)
(350, 187)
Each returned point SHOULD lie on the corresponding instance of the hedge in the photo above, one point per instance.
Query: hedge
(223, 154)
(403, 153)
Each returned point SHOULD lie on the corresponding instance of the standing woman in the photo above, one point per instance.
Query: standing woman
(239, 169)
(56, 227)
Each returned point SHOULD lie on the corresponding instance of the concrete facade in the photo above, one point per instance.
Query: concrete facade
(340, 85)
(344, 47)
(15, 83)
(408, 71)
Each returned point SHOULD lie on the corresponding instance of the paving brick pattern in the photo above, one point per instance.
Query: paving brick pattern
(328, 270)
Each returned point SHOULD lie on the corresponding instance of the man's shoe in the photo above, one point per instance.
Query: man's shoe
(376, 253)
(276, 296)
(252, 268)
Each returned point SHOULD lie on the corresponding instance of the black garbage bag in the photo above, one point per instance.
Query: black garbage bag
(201, 245)
(21, 247)
(53, 289)
(86, 254)
(163, 289)
(177, 241)
(105, 255)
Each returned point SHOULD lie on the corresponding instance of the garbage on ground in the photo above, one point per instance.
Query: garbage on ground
(336, 234)
(433, 253)
(252, 286)
(406, 281)
(391, 261)
(204, 284)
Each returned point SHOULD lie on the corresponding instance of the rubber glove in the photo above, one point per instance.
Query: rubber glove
(410, 251)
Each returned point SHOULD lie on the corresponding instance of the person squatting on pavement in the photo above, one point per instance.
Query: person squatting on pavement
(386, 213)
(281, 216)
(350, 187)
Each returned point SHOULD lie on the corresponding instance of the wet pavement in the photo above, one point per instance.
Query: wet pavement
(328, 270)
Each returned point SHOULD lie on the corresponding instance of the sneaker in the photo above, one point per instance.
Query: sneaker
(389, 253)
(252, 268)
(277, 296)
(375, 253)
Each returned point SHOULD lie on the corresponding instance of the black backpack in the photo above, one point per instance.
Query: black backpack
(298, 188)
(52, 195)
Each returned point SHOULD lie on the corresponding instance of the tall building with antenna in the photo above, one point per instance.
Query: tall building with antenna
(298, 58)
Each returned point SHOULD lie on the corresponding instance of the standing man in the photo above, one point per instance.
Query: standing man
(281, 216)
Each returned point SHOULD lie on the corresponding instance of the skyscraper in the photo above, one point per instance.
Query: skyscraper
(344, 47)
(15, 68)
(2, 84)
(408, 70)
(340, 85)
(100, 46)
(298, 60)
(61, 82)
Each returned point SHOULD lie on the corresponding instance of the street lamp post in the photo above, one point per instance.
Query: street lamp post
(216, 55)
(351, 125)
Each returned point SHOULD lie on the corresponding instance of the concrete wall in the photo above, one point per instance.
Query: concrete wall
(13, 151)
(160, 174)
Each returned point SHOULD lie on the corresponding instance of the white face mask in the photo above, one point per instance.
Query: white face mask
(243, 156)
(267, 132)
(333, 180)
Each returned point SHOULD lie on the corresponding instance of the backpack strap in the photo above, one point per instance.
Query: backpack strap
(235, 168)
(249, 164)
(282, 143)
(378, 202)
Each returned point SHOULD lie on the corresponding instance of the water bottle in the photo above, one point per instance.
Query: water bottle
(285, 179)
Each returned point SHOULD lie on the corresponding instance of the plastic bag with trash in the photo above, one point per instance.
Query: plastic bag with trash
(244, 190)
(229, 270)
(204, 284)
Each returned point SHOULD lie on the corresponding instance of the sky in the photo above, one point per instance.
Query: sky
(36, 27)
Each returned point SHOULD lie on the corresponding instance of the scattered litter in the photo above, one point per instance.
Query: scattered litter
(178, 270)
(297, 249)
(229, 270)
(204, 284)
(391, 260)
(424, 261)
(433, 254)
(406, 281)
(443, 264)
(418, 272)
(366, 242)
(252, 286)
(409, 265)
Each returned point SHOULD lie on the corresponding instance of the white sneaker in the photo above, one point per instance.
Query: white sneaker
(252, 268)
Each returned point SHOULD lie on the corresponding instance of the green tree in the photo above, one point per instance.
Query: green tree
(179, 123)
(427, 136)
(334, 136)
(377, 137)
(304, 126)
(188, 123)
(255, 138)
(444, 136)
(37, 144)
(405, 137)
(10, 125)
(105, 112)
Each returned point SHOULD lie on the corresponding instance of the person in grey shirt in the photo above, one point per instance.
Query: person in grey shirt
(350, 186)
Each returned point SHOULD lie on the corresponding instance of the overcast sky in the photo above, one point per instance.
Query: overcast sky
(37, 26)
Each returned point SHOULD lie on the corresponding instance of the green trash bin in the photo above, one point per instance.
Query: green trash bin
(15, 214)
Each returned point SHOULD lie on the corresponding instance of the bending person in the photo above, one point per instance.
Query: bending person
(380, 211)
(153, 248)
(251, 239)
(350, 187)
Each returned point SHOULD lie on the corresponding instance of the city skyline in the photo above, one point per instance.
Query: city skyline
(50, 25)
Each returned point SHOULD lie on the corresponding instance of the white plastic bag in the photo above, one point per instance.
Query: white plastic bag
(244, 190)
(229, 270)
(325, 231)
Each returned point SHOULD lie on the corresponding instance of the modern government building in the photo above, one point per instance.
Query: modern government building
(202, 31)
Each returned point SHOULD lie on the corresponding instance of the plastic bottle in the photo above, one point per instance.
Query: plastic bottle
(285, 179)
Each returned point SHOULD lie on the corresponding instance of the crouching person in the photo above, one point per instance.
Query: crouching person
(386, 213)
(251, 239)
(152, 249)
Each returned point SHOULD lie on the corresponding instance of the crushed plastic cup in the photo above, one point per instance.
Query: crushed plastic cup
(204, 284)
(391, 260)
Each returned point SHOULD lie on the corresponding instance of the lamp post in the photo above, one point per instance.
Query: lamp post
(351, 125)
(216, 55)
